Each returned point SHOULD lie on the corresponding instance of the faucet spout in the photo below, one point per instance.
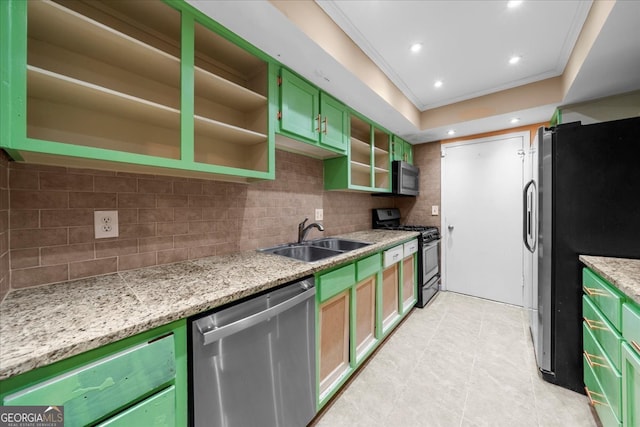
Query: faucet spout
(303, 231)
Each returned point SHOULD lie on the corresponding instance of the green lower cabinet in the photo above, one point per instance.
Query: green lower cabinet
(608, 376)
(597, 397)
(611, 340)
(349, 303)
(141, 378)
(158, 410)
(630, 385)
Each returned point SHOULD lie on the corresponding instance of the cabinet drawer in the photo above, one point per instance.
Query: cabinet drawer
(393, 255)
(608, 376)
(631, 325)
(158, 410)
(597, 397)
(336, 281)
(368, 266)
(410, 248)
(630, 386)
(603, 331)
(93, 391)
(604, 296)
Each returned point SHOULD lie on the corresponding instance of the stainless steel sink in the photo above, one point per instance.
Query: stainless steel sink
(305, 253)
(316, 250)
(338, 244)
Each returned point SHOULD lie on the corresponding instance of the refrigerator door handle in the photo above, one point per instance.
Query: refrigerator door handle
(526, 217)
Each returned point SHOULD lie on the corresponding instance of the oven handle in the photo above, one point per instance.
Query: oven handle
(431, 243)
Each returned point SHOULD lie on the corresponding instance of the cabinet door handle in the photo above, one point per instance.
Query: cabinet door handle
(595, 324)
(635, 345)
(593, 401)
(594, 292)
(319, 119)
(592, 363)
(326, 124)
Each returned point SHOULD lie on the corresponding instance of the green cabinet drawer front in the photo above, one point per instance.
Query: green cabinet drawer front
(608, 376)
(368, 266)
(597, 397)
(95, 390)
(630, 386)
(603, 331)
(631, 325)
(157, 411)
(605, 297)
(336, 281)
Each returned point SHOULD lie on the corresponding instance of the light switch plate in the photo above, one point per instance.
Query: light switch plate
(105, 224)
(434, 210)
(319, 215)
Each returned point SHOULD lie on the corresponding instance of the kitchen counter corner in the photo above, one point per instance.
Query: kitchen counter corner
(621, 272)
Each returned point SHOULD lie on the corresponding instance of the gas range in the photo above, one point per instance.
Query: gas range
(389, 219)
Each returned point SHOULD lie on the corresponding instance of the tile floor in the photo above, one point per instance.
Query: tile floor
(461, 361)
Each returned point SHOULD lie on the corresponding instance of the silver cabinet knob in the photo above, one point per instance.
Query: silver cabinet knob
(450, 228)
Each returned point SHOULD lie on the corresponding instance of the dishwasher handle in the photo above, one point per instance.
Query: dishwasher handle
(217, 334)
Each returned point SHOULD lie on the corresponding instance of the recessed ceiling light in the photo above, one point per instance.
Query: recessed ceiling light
(451, 132)
(513, 3)
(416, 47)
(514, 120)
(514, 59)
(438, 83)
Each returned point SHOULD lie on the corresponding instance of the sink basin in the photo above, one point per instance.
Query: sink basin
(305, 253)
(338, 244)
(316, 250)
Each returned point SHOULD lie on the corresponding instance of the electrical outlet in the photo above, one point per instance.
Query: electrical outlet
(105, 224)
(319, 215)
(434, 210)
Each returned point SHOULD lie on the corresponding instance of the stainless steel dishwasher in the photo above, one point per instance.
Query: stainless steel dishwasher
(254, 364)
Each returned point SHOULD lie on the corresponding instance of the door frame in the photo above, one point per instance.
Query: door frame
(526, 137)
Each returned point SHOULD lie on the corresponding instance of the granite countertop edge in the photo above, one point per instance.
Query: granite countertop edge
(85, 314)
(623, 273)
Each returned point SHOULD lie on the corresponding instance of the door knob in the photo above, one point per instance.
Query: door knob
(450, 228)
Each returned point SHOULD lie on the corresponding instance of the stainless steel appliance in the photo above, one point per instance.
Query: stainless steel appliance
(588, 203)
(405, 179)
(253, 363)
(428, 253)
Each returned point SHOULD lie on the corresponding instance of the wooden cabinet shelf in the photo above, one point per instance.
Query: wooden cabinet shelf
(213, 87)
(61, 108)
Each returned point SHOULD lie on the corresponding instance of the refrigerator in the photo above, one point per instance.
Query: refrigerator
(588, 202)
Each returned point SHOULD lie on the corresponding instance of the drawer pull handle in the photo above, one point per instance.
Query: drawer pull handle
(593, 401)
(592, 363)
(595, 292)
(595, 324)
(635, 345)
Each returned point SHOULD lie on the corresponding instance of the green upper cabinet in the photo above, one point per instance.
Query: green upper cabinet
(367, 165)
(401, 150)
(310, 115)
(149, 87)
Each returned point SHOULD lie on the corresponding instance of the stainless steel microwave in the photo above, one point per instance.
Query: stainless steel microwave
(405, 179)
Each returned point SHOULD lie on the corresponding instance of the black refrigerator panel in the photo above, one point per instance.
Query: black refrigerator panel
(596, 211)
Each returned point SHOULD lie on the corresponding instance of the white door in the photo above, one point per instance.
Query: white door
(482, 183)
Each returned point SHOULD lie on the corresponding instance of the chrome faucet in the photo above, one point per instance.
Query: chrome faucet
(302, 230)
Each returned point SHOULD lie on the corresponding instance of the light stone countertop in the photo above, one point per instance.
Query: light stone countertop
(43, 325)
(620, 272)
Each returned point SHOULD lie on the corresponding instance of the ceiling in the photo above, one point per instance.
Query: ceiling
(359, 52)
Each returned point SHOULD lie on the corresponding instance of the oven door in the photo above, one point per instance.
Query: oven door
(430, 265)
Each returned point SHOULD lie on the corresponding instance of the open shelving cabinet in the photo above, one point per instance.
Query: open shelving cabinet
(152, 86)
(367, 167)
